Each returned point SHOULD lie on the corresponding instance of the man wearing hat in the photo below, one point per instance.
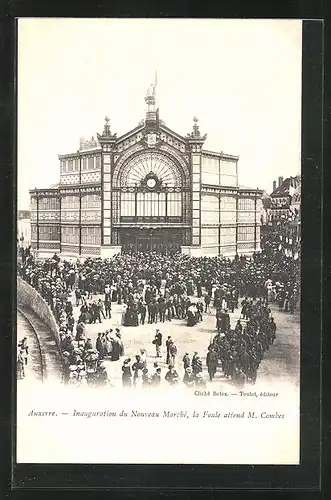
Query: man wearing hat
(212, 362)
(186, 360)
(196, 363)
(171, 375)
(158, 343)
(99, 345)
(88, 344)
(172, 352)
(168, 342)
(156, 378)
(189, 377)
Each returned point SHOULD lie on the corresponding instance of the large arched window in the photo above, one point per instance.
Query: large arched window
(151, 188)
(151, 163)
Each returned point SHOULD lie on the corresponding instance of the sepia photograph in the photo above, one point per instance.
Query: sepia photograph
(158, 241)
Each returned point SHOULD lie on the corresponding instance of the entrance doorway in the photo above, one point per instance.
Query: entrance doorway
(149, 244)
(152, 240)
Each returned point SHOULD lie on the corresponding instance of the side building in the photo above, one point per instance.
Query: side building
(149, 189)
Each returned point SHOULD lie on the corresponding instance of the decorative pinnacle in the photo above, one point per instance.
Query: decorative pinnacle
(196, 132)
(106, 130)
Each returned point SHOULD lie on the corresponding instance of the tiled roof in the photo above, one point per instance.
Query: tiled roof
(284, 189)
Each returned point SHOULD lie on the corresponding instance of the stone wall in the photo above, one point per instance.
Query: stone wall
(28, 297)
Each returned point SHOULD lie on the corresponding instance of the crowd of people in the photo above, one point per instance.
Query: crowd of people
(155, 288)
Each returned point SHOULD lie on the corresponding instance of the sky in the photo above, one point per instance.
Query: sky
(241, 78)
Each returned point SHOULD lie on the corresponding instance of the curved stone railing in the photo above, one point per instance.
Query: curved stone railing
(28, 297)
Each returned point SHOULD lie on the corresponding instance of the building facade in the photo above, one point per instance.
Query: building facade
(149, 189)
(285, 199)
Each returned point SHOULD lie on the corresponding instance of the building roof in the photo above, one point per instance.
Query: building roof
(284, 188)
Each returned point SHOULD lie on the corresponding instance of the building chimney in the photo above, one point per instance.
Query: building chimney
(274, 186)
(280, 181)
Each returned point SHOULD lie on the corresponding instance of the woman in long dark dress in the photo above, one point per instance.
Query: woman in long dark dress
(114, 295)
(127, 374)
(190, 318)
(115, 355)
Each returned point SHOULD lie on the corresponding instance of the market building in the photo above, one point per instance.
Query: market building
(149, 189)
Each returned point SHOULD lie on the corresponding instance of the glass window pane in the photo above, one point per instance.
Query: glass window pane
(162, 211)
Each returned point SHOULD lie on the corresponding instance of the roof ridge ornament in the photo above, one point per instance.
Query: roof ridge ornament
(106, 134)
(196, 132)
(151, 112)
(106, 130)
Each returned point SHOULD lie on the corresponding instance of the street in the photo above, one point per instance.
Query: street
(281, 362)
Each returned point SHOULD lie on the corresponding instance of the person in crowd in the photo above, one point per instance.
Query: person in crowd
(171, 375)
(238, 328)
(207, 300)
(78, 295)
(196, 363)
(143, 356)
(116, 348)
(102, 376)
(108, 305)
(168, 343)
(189, 377)
(158, 343)
(186, 361)
(137, 367)
(25, 350)
(146, 381)
(156, 378)
(142, 310)
(172, 352)
(126, 373)
(99, 345)
(20, 364)
(211, 362)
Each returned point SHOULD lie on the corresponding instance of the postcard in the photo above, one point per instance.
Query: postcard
(159, 241)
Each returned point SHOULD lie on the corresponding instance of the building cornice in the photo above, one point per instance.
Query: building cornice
(221, 155)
